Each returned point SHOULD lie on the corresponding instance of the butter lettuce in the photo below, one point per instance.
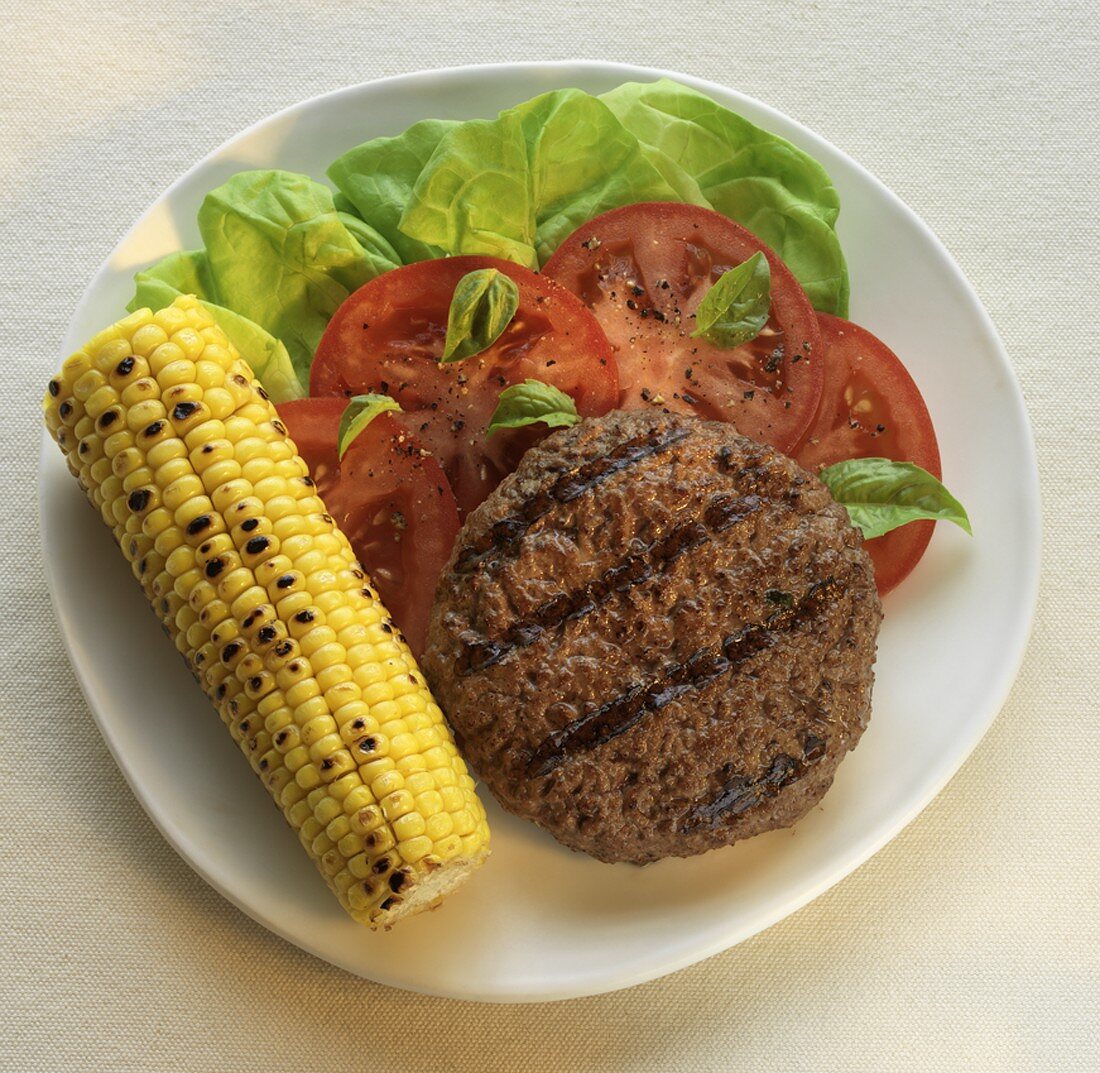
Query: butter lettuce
(474, 195)
(188, 272)
(515, 186)
(283, 251)
(281, 255)
(762, 181)
(376, 180)
(581, 162)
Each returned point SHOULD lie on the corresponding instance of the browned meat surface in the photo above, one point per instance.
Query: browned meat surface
(656, 637)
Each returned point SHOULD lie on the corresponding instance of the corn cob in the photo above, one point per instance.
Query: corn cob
(176, 444)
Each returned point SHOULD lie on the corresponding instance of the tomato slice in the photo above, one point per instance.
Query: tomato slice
(391, 500)
(871, 408)
(388, 338)
(644, 269)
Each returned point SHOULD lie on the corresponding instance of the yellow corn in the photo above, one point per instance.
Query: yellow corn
(177, 446)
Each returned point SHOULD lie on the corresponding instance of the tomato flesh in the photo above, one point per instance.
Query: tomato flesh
(388, 338)
(871, 408)
(390, 498)
(644, 269)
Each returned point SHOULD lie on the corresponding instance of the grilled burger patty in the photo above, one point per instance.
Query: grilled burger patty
(656, 637)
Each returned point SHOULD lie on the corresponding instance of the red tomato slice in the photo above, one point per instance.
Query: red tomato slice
(388, 338)
(644, 269)
(871, 408)
(391, 500)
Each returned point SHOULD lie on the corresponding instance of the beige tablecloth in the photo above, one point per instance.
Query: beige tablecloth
(970, 943)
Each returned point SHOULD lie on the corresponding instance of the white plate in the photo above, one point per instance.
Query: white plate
(539, 922)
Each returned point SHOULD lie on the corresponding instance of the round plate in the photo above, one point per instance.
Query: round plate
(539, 922)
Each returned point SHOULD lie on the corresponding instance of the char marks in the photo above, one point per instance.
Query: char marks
(617, 716)
(503, 537)
(742, 792)
(479, 652)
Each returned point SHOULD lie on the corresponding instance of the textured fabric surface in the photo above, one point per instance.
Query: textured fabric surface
(971, 943)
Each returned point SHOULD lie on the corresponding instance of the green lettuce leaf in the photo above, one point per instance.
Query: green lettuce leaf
(515, 186)
(280, 255)
(381, 255)
(188, 272)
(376, 181)
(683, 186)
(582, 161)
(762, 181)
(474, 195)
(805, 243)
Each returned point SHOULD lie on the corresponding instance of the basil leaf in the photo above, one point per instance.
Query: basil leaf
(360, 411)
(735, 309)
(531, 402)
(880, 495)
(483, 305)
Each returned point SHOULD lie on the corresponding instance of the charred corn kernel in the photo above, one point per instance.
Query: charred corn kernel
(187, 461)
(367, 819)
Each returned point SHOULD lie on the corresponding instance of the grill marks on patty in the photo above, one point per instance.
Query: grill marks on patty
(678, 680)
(741, 792)
(631, 673)
(502, 539)
(754, 483)
(721, 512)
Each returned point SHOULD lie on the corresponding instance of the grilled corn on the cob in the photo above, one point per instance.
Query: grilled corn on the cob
(177, 445)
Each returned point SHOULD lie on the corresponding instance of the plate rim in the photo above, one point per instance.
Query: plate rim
(994, 696)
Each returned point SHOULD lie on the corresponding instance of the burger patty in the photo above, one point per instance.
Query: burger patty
(655, 637)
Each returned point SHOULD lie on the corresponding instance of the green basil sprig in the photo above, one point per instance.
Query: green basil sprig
(531, 402)
(735, 309)
(483, 305)
(360, 411)
(880, 495)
